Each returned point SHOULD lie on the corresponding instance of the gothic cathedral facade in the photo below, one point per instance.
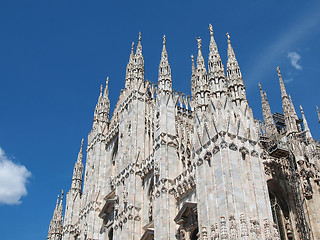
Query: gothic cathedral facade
(171, 166)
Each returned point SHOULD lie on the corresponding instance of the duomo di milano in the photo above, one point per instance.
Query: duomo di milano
(171, 166)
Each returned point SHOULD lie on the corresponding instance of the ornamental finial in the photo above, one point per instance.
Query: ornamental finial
(139, 36)
(199, 42)
(164, 40)
(61, 195)
(211, 29)
(228, 36)
(132, 46)
(279, 73)
(101, 89)
(81, 143)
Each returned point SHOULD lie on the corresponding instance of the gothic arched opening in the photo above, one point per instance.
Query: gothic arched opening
(280, 211)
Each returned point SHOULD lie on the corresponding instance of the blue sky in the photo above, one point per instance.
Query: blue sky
(54, 55)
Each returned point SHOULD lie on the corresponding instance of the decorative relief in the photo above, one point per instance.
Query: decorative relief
(204, 233)
(223, 144)
(233, 228)
(254, 153)
(215, 232)
(131, 213)
(243, 226)
(199, 162)
(183, 183)
(255, 229)
(223, 228)
(215, 150)
(233, 147)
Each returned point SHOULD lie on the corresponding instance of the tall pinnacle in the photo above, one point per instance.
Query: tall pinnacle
(289, 115)
(217, 77)
(282, 87)
(78, 171)
(201, 70)
(80, 152)
(129, 70)
(267, 115)
(139, 62)
(318, 113)
(234, 76)
(306, 127)
(201, 81)
(164, 79)
(57, 204)
(61, 204)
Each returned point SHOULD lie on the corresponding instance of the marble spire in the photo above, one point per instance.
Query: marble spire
(234, 77)
(217, 78)
(164, 78)
(267, 115)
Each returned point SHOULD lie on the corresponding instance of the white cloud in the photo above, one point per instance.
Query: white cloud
(294, 58)
(288, 80)
(13, 179)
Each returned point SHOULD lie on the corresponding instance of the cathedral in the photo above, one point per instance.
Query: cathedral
(167, 165)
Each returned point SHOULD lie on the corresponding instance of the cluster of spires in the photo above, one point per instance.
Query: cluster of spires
(289, 112)
(203, 83)
(56, 224)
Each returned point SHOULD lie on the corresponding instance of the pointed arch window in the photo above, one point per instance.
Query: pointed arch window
(280, 213)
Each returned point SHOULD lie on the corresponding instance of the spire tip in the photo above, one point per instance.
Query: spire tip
(211, 29)
(199, 43)
(228, 36)
(164, 40)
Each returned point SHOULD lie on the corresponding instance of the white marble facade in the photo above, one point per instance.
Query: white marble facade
(171, 166)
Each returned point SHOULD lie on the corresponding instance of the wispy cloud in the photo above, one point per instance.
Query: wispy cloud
(299, 30)
(288, 80)
(13, 179)
(294, 58)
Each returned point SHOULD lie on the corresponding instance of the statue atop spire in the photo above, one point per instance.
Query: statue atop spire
(211, 30)
(106, 90)
(199, 43)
